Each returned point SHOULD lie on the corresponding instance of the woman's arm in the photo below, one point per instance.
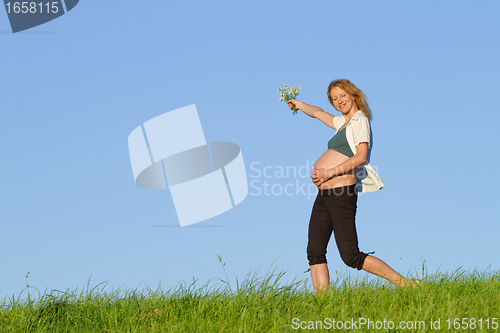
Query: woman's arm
(321, 175)
(312, 111)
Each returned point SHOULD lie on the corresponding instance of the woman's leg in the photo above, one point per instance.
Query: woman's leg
(341, 203)
(376, 266)
(320, 230)
(342, 207)
(320, 277)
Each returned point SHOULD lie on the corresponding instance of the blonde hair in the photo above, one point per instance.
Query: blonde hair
(351, 89)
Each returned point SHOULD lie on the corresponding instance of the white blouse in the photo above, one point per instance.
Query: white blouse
(359, 130)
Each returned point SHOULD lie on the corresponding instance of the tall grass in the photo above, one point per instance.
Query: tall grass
(264, 304)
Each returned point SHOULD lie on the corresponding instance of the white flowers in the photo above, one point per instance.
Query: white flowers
(287, 94)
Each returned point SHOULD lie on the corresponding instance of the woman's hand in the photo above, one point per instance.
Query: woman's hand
(292, 104)
(319, 175)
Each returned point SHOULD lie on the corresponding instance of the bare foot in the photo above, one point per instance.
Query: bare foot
(410, 283)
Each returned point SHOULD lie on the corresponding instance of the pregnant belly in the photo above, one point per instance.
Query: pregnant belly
(330, 159)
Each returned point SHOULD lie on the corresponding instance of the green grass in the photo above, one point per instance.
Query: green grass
(263, 304)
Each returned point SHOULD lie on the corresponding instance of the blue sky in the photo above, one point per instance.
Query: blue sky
(73, 89)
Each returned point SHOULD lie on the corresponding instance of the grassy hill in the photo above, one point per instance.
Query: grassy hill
(461, 301)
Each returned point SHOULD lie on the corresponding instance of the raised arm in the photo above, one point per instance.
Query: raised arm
(312, 111)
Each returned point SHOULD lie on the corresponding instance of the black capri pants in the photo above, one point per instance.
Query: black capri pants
(335, 210)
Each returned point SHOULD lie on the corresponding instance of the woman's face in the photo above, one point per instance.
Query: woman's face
(342, 101)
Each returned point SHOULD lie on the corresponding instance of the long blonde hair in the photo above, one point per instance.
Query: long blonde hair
(351, 89)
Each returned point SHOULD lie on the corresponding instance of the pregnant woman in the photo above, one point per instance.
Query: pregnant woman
(341, 172)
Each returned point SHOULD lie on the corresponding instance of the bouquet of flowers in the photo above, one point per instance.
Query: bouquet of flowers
(287, 94)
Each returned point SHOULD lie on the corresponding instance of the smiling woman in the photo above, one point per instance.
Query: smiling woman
(341, 172)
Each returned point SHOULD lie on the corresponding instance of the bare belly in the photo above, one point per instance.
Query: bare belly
(330, 159)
